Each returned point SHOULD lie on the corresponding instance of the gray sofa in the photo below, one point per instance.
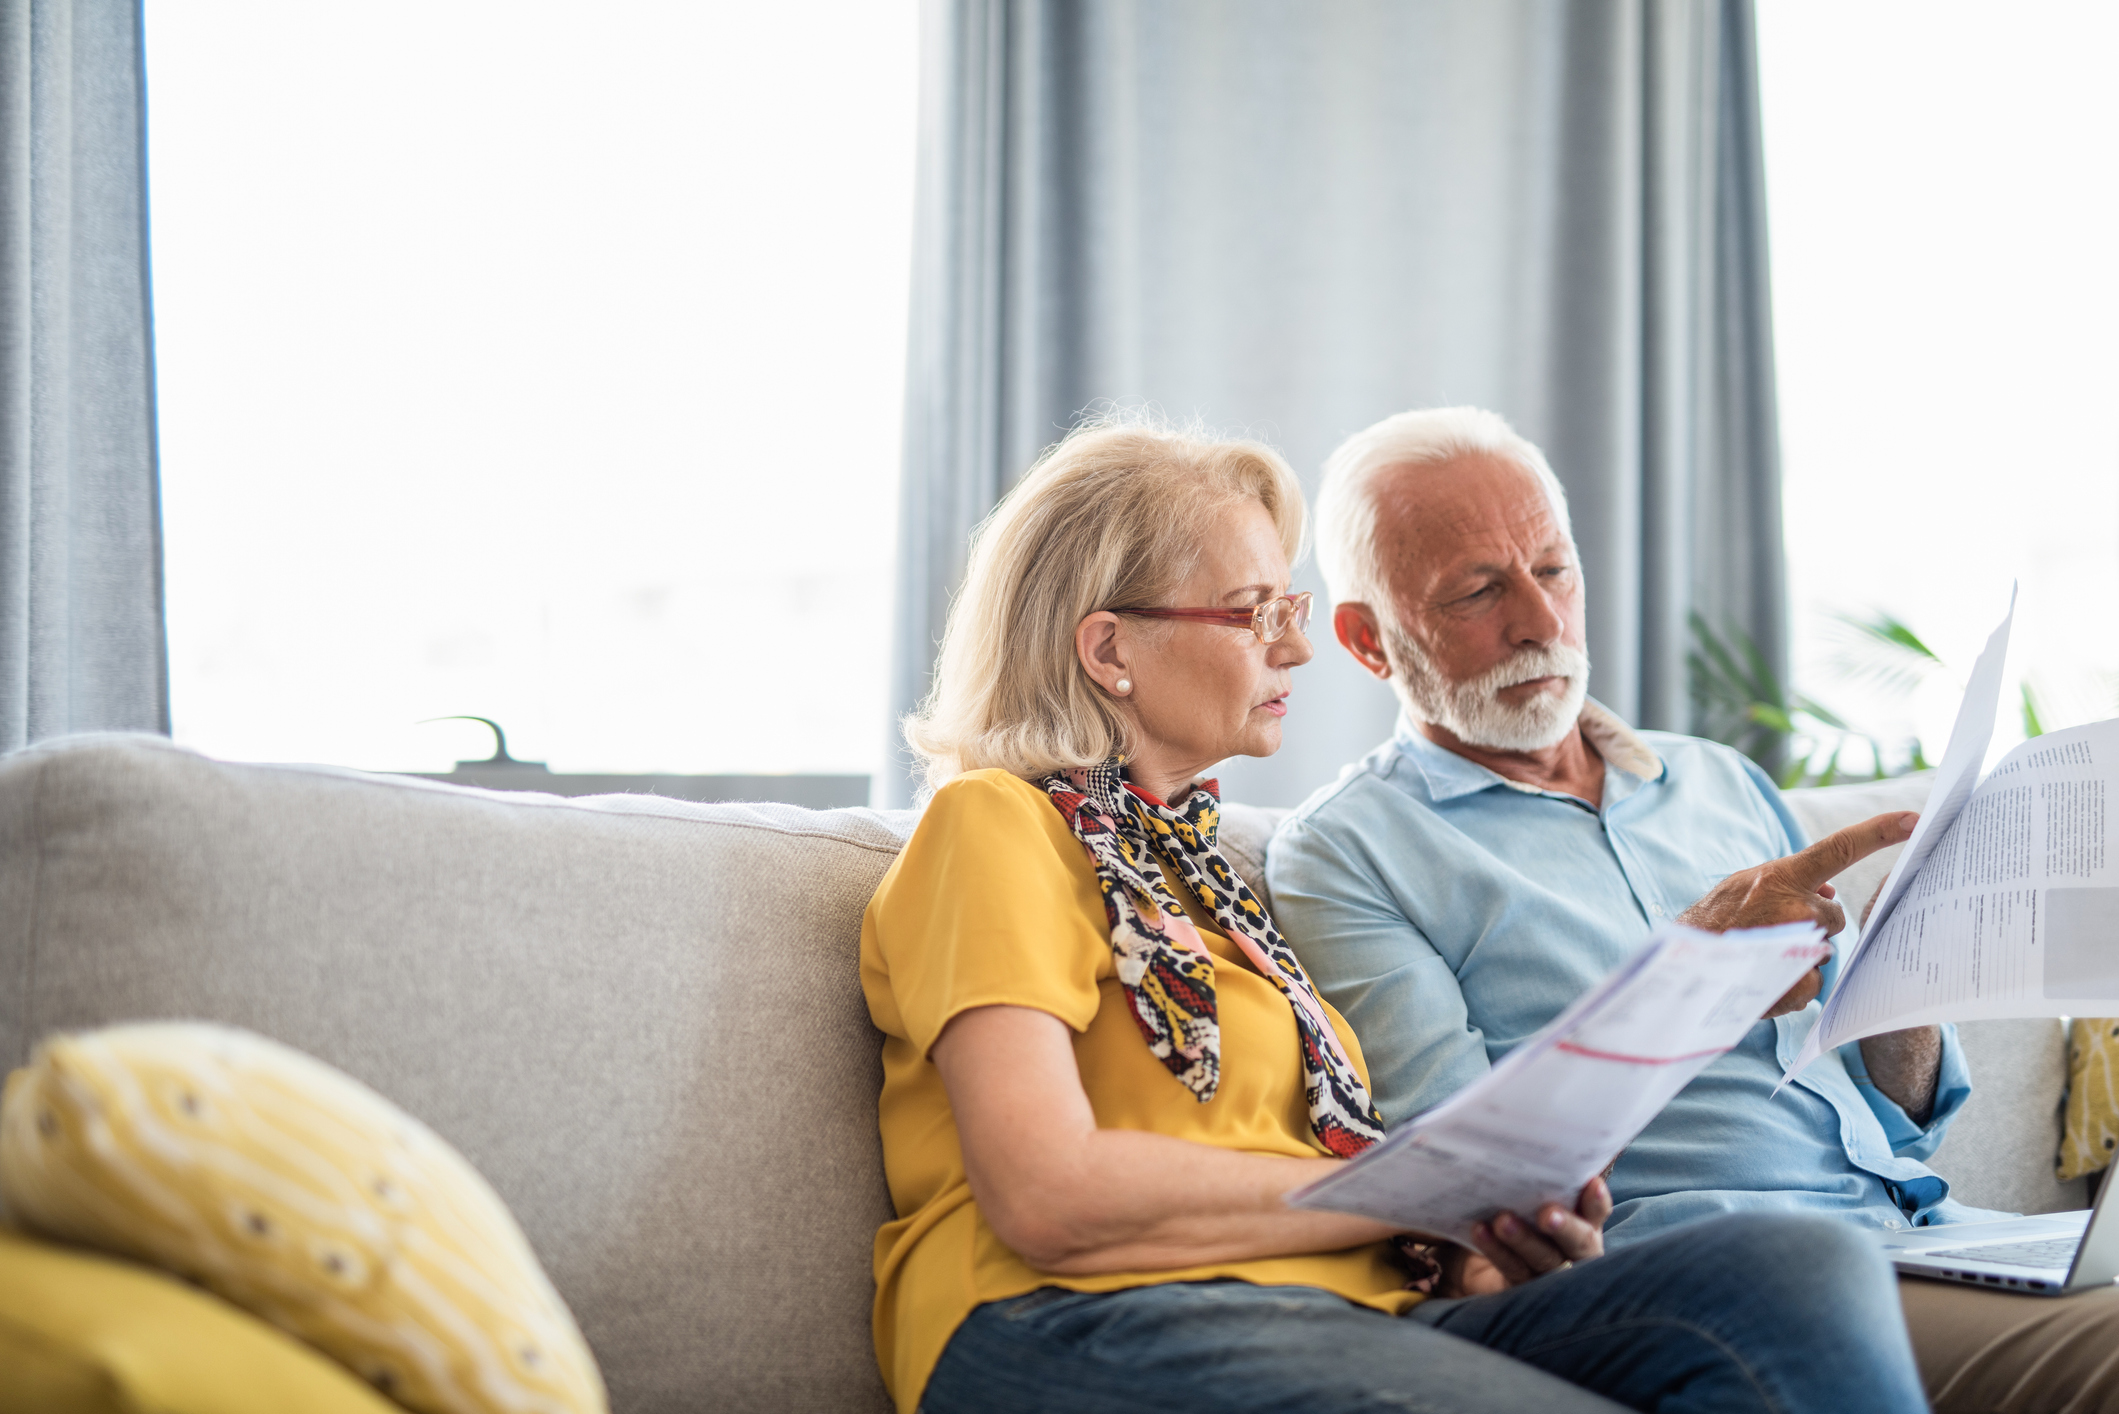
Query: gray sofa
(638, 1017)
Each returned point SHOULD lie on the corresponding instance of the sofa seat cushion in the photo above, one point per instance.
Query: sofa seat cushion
(639, 1018)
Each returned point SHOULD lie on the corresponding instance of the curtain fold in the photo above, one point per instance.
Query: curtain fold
(82, 643)
(1292, 220)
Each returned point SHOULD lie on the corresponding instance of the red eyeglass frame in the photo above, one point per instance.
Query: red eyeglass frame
(1252, 618)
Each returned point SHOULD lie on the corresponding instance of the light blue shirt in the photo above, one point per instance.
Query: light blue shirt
(1449, 913)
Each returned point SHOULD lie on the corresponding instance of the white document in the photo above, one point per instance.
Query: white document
(1556, 1109)
(2015, 912)
(2006, 900)
(1955, 777)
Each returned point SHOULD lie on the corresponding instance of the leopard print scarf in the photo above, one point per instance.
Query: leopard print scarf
(1164, 966)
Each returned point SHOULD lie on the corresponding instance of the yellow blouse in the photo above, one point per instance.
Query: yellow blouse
(994, 902)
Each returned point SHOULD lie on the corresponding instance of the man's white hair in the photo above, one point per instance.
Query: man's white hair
(1346, 504)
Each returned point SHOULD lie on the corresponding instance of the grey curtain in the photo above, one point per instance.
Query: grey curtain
(81, 634)
(1293, 219)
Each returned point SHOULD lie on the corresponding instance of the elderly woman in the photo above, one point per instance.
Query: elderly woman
(1104, 1069)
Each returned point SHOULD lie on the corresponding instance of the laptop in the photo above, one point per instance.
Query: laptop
(2056, 1254)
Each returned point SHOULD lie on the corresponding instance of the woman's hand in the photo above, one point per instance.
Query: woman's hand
(1512, 1251)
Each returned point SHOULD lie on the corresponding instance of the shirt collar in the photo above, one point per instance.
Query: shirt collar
(1450, 775)
(1619, 744)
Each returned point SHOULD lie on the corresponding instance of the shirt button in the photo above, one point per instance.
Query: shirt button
(1656, 909)
(1894, 1224)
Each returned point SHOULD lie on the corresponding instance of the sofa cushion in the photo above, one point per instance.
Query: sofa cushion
(638, 1017)
(1245, 832)
(2002, 1147)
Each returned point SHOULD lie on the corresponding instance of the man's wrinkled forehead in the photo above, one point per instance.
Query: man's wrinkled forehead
(1467, 511)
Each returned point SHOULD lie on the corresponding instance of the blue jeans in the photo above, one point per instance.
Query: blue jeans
(1751, 1311)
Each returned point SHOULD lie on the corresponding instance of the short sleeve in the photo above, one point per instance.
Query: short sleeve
(1910, 1138)
(992, 903)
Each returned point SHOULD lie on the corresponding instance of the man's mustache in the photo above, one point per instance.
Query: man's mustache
(1529, 664)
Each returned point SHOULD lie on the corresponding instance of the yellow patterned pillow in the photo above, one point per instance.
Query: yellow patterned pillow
(2092, 1096)
(300, 1195)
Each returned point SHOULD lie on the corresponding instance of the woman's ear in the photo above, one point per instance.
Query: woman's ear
(1105, 647)
(1355, 624)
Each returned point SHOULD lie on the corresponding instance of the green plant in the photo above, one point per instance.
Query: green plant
(1742, 703)
(1882, 650)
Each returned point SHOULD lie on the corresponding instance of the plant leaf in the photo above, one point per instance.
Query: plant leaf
(1881, 649)
(1738, 697)
(1811, 707)
(1831, 772)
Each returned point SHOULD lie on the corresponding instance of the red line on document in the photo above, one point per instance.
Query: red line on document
(1633, 1060)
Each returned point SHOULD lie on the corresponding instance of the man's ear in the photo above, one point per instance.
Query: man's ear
(1355, 624)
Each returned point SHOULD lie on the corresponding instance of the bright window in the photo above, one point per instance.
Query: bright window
(1944, 224)
(535, 361)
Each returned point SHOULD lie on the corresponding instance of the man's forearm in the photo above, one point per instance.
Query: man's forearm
(1904, 1065)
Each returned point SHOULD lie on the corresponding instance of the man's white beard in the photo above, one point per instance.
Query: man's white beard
(1474, 712)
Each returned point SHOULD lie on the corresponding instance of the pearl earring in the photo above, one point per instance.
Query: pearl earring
(1123, 685)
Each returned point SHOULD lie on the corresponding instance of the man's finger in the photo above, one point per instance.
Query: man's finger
(1512, 1268)
(1800, 995)
(1574, 1236)
(1535, 1245)
(1594, 1202)
(1830, 916)
(1576, 1239)
(1836, 852)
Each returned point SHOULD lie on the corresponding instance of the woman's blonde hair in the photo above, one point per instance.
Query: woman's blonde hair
(1114, 515)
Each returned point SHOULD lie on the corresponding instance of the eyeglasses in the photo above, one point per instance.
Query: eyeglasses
(1270, 620)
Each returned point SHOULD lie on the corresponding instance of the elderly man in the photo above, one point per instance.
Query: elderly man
(1514, 841)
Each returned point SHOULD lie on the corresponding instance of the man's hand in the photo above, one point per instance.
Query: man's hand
(1795, 890)
(1512, 1251)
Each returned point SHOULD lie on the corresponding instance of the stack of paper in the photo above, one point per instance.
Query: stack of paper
(1555, 1110)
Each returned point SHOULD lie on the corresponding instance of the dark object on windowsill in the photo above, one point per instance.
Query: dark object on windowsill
(500, 771)
(499, 759)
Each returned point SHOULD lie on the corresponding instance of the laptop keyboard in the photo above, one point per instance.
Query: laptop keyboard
(2039, 1256)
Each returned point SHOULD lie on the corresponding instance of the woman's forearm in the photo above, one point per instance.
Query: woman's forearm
(1070, 1197)
(1134, 1201)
